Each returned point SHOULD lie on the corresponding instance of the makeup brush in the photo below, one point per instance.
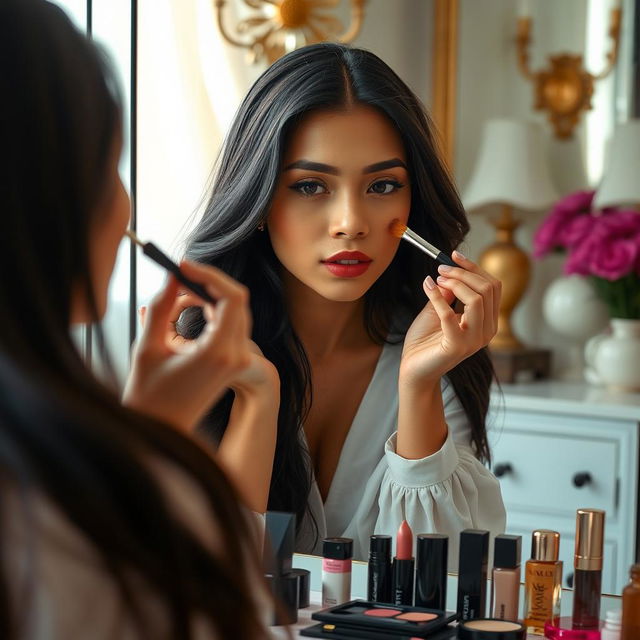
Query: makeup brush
(149, 249)
(400, 230)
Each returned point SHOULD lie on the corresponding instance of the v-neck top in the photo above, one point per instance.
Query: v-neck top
(374, 489)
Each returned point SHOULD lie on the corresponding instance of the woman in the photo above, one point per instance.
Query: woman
(113, 523)
(328, 149)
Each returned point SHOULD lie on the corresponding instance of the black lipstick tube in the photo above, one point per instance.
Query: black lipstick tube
(431, 570)
(379, 574)
(402, 581)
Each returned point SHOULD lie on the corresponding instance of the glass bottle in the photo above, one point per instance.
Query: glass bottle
(631, 606)
(542, 581)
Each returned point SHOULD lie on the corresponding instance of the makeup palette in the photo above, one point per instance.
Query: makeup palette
(397, 620)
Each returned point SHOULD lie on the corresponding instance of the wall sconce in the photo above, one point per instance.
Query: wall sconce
(565, 88)
(283, 25)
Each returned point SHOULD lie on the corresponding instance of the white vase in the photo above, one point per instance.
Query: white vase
(572, 308)
(615, 358)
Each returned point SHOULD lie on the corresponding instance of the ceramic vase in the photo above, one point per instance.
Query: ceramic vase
(615, 357)
(572, 309)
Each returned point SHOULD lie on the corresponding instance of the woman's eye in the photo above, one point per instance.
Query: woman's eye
(309, 188)
(384, 187)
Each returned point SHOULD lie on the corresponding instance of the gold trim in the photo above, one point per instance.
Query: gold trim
(445, 74)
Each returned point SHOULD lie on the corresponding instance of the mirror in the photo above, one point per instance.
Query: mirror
(459, 57)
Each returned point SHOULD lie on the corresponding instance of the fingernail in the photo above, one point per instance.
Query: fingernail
(459, 255)
(444, 268)
(429, 282)
(442, 279)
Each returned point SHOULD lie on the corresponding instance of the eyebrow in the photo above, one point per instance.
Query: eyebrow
(320, 167)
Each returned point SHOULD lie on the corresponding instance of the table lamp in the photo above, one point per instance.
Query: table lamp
(620, 184)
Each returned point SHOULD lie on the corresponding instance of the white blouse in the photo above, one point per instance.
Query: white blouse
(374, 489)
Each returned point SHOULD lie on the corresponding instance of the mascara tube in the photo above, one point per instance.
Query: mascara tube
(379, 574)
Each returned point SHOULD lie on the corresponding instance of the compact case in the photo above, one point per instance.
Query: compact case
(345, 632)
(413, 622)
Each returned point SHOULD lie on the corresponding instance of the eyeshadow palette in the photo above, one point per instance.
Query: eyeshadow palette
(398, 620)
(345, 632)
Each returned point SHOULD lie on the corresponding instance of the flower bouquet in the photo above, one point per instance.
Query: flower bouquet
(604, 245)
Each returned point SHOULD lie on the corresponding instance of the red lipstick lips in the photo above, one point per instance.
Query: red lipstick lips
(347, 264)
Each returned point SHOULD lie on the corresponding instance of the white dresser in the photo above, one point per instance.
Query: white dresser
(559, 446)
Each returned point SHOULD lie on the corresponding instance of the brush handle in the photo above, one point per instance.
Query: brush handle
(150, 249)
(443, 258)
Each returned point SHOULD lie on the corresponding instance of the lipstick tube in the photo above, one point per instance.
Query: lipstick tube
(587, 561)
(379, 569)
(403, 567)
(431, 570)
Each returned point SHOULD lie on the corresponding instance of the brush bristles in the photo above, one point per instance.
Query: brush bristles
(397, 228)
(133, 236)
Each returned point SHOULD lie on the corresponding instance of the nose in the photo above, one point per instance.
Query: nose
(348, 220)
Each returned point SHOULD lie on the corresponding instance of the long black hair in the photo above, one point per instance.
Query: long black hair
(324, 76)
(64, 436)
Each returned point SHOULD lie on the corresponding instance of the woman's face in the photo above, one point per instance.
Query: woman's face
(343, 181)
(109, 224)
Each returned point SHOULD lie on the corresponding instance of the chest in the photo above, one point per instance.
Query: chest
(339, 386)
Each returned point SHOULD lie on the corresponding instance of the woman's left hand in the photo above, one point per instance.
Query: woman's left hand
(440, 337)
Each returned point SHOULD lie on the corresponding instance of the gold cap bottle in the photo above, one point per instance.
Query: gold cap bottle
(545, 545)
(589, 539)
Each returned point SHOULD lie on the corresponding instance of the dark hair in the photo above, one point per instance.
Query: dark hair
(324, 76)
(63, 434)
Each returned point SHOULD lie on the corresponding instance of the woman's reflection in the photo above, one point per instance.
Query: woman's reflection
(383, 398)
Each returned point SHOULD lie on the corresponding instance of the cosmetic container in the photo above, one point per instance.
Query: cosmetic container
(379, 569)
(612, 626)
(505, 577)
(431, 570)
(336, 570)
(403, 567)
(563, 629)
(587, 561)
(472, 573)
(631, 606)
(304, 587)
(279, 540)
(542, 581)
(491, 629)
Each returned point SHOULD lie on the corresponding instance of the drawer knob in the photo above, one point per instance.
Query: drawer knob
(581, 479)
(569, 580)
(502, 469)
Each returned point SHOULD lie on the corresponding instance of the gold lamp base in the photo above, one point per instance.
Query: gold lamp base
(511, 265)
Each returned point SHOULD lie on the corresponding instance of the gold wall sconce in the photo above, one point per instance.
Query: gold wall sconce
(565, 88)
(281, 26)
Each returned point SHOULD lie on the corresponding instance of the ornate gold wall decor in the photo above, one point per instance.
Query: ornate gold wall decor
(564, 89)
(283, 25)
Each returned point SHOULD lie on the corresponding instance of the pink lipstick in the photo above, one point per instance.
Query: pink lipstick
(347, 264)
(403, 566)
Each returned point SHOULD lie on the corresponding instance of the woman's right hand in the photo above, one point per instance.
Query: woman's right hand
(178, 380)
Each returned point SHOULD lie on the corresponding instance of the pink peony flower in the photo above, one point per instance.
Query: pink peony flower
(614, 259)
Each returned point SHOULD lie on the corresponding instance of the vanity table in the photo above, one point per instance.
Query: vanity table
(558, 446)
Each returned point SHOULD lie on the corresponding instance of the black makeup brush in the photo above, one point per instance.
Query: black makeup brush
(149, 249)
(403, 232)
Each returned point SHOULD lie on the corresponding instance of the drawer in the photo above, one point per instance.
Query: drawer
(542, 472)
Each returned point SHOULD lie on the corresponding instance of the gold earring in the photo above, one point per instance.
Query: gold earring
(261, 226)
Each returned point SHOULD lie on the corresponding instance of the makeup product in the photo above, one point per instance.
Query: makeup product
(631, 606)
(400, 230)
(379, 569)
(403, 566)
(612, 629)
(491, 629)
(472, 573)
(304, 587)
(505, 577)
(431, 570)
(587, 561)
(542, 581)
(149, 249)
(361, 614)
(279, 540)
(563, 629)
(336, 570)
(345, 632)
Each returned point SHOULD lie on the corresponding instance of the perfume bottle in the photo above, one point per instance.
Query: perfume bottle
(542, 581)
(631, 606)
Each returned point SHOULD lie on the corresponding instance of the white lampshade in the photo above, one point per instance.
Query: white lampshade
(511, 168)
(621, 181)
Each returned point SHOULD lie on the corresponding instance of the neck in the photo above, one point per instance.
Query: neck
(325, 326)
